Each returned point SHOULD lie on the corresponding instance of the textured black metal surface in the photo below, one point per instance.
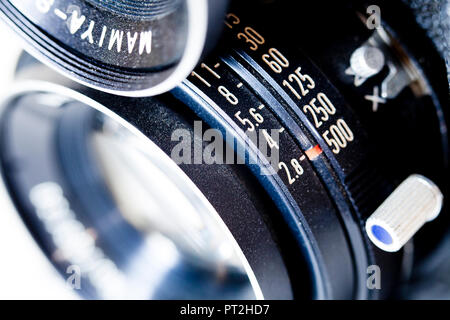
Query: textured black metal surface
(109, 38)
(434, 17)
(327, 209)
(142, 9)
(107, 46)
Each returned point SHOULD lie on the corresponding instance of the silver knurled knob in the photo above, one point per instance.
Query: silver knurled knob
(367, 61)
(414, 202)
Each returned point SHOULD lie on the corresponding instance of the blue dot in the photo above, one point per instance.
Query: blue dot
(381, 234)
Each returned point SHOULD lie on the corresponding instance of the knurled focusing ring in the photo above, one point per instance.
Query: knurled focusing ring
(132, 48)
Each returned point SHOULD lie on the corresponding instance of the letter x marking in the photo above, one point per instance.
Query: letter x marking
(375, 98)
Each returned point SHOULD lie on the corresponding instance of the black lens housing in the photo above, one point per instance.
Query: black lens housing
(123, 48)
(326, 209)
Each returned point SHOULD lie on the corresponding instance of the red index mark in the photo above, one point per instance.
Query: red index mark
(314, 152)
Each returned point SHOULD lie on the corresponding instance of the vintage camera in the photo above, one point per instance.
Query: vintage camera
(244, 150)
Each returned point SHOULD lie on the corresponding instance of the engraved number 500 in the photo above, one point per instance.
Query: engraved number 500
(338, 136)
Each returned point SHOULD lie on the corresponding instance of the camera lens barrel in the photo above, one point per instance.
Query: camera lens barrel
(124, 47)
(126, 233)
(325, 133)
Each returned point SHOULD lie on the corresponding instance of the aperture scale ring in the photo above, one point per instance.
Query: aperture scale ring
(332, 170)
